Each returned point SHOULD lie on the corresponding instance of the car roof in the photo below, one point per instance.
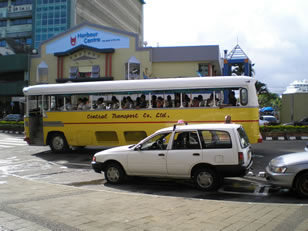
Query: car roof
(211, 126)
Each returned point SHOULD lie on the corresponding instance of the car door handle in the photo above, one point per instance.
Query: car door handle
(196, 154)
(161, 154)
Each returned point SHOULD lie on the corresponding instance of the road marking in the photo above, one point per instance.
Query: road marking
(12, 142)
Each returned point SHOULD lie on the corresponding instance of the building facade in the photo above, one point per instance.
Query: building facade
(90, 52)
(25, 24)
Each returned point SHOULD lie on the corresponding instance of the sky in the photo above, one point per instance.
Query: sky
(272, 33)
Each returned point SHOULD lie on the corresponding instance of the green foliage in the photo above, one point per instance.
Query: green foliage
(270, 100)
(284, 128)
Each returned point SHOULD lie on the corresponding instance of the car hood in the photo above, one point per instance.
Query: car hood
(290, 159)
(120, 149)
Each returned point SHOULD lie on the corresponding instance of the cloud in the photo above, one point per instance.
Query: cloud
(272, 33)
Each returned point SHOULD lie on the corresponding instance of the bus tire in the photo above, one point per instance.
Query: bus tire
(114, 173)
(206, 179)
(58, 143)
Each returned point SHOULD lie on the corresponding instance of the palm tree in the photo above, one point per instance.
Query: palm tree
(261, 88)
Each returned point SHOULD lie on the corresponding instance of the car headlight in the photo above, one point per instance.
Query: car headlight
(278, 169)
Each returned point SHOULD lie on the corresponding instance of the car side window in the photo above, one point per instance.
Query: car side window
(158, 142)
(186, 140)
(211, 139)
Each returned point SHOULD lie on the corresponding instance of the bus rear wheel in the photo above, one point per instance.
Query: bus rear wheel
(58, 143)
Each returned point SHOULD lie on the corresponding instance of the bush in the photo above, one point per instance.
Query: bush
(12, 125)
(284, 128)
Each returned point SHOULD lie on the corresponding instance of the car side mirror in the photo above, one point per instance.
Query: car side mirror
(138, 147)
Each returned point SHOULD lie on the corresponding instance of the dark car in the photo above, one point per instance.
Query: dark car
(13, 117)
(302, 122)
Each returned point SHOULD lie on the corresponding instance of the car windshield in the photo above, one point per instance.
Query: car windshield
(244, 141)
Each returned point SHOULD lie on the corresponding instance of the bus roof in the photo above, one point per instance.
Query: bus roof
(139, 85)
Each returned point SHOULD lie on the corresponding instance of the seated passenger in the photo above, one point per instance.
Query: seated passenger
(114, 103)
(80, 104)
(210, 101)
(201, 101)
(232, 99)
(101, 104)
(143, 103)
(169, 102)
(154, 101)
(160, 102)
(195, 102)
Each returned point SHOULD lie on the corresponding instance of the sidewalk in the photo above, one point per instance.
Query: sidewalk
(30, 205)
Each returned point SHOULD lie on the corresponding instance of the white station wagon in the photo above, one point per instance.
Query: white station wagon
(205, 153)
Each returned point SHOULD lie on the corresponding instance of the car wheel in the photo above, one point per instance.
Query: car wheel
(301, 186)
(58, 143)
(206, 179)
(114, 173)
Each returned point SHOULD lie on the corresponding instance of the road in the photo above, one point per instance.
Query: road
(74, 169)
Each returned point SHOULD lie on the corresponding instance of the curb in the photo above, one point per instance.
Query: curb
(11, 132)
(284, 138)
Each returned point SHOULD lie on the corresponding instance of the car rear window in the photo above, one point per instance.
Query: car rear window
(215, 139)
(244, 141)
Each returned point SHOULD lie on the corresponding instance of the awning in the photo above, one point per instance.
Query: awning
(85, 69)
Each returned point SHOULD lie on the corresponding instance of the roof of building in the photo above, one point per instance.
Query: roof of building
(185, 54)
(237, 53)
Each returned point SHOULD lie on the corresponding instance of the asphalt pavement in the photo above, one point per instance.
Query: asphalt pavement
(29, 203)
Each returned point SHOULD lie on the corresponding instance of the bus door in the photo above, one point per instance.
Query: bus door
(35, 111)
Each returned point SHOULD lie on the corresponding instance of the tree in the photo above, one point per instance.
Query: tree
(270, 100)
(261, 88)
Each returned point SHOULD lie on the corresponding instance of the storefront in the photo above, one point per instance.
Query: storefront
(91, 52)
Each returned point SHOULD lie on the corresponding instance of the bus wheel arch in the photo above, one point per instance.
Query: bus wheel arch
(57, 142)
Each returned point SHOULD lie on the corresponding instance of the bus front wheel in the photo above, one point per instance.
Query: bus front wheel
(58, 143)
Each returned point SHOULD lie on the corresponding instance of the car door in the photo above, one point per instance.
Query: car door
(184, 153)
(149, 158)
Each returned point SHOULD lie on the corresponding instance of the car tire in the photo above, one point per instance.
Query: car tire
(206, 179)
(114, 173)
(301, 186)
(58, 143)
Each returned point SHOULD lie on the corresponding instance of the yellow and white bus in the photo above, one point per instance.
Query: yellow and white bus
(112, 113)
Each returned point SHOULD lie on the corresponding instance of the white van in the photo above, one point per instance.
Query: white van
(204, 153)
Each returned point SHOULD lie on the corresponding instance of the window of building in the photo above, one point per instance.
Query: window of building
(95, 71)
(42, 73)
(203, 69)
(73, 72)
(22, 21)
(3, 4)
(2, 43)
(20, 2)
(3, 23)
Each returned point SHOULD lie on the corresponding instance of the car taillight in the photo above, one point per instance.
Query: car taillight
(94, 159)
(241, 158)
(260, 140)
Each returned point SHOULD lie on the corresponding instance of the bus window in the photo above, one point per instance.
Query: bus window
(244, 96)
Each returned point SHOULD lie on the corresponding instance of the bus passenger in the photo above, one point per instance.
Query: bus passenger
(86, 103)
(154, 101)
(143, 103)
(101, 104)
(177, 100)
(201, 101)
(169, 102)
(195, 102)
(232, 99)
(138, 102)
(186, 101)
(114, 103)
(80, 104)
(160, 102)
(210, 101)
